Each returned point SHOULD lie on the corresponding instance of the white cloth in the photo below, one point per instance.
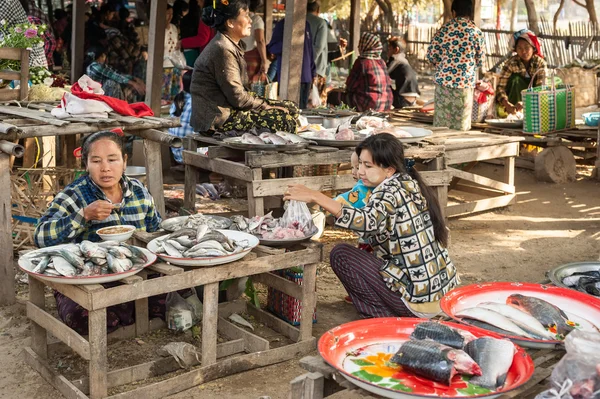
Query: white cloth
(89, 85)
(257, 23)
(171, 39)
(73, 106)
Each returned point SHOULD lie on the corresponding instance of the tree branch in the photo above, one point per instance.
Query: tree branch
(579, 4)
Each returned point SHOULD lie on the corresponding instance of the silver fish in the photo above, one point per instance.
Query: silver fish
(117, 265)
(201, 231)
(240, 222)
(177, 245)
(493, 318)
(271, 138)
(74, 249)
(494, 357)
(292, 138)
(42, 265)
(219, 237)
(137, 254)
(72, 258)
(249, 138)
(205, 252)
(119, 252)
(88, 269)
(99, 261)
(185, 241)
(50, 271)
(524, 320)
(171, 250)
(64, 267)
(210, 244)
(92, 250)
(182, 232)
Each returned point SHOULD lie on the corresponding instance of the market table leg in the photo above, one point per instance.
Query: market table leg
(191, 178)
(256, 205)
(98, 358)
(309, 300)
(509, 170)
(210, 316)
(441, 192)
(39, 343)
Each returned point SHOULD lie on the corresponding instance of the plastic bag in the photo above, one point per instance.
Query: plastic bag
(185, 354)
(297, 216)
(259, 84)
(577, 375)
(314, 100)
(178, 60)
(180, 314)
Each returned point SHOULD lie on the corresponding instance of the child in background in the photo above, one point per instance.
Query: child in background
(182, 108)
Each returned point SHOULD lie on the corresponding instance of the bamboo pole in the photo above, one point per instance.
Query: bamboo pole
(11, 148)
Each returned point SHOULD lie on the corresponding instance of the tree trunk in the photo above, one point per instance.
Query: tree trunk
(513, 15)
(532, 17)
(447, 10)
(591, 8)
(498, 15)
(557, 14)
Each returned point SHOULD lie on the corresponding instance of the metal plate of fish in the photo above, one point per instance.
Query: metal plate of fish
(361, 351)
(287, 242)
(560, 273)
(176, 223)
(250, 241)
(333, 143)
(582, 310)
(236, 144)
(26, 264)
(514, 124)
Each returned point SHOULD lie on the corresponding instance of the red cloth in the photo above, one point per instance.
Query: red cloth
(483, 90)
(119, 106)
(204, 36)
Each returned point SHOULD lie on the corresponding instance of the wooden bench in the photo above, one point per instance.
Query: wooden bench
(18, 54)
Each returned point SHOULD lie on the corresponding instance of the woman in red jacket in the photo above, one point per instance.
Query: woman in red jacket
(195, 34)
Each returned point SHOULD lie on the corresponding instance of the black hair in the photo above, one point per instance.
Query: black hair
(225, 10)
(254, 5)
(387, 151)
(397, 42)
(87, 141)
(463, 8)
(123, 13)
(179, 99)
(25, 5)
(59, 13)
(179, 7)
(312, 6)
(92, 54)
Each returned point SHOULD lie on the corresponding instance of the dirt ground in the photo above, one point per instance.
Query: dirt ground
(548, 226)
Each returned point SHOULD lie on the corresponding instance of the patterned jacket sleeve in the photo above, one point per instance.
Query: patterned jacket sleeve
(374, 218)
(62, 222)
(503, 81)
(153, 218)
(433, 51)
(479, 49)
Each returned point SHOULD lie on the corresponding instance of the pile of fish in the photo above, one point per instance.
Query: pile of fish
(279, 138)
(438, 352)
(588, 282)
(522, 316)
(267, 227)
(86, 259)
(195, 221)
(200, 242)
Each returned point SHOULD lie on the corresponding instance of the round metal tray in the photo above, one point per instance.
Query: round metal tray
(287, 243)
(236, 144)
(504, 123)
(558, 274)
(167, 223)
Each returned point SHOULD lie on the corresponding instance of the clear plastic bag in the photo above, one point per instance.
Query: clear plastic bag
(577, 375)
(178, 60)
(297, 216)
(180, 314)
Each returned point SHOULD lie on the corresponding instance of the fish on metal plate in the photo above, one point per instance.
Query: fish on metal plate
(292, 138)
(177, 245)
(485, 326)
(42, 265)
(171, 250)
(89, 249)
(201, 232)
(219, 237)
(494, 356)
(200, 190)
(493, 318)
(137, 254)
(271, 138)
(72, 258)
(118, 252)
(240, 223)
(64, 267)
(74, 249)
(546, 313)
(589, 285)
(181, 232)
(117, 265)
(99, 261)
(108, 244)
(249, 138)
(434, 361)
(442, 333)
(205, 252)
(185, 241)
(524, 320)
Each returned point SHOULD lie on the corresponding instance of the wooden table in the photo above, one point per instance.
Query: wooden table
(248, 166)
(323, 381)
(255, 351)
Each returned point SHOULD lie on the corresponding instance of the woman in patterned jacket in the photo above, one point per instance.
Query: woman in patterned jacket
(410, 270)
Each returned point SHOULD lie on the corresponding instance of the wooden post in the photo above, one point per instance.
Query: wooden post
(268, 20)
(7, 272)
(256, 205)
(98, 359)
(293, 50)
(49, 158)
(354, 28)
(309, 301)
(24, 89)
(441, 192)
(77, 41)
(477, 12)
(191, 179)
(154, 81)
(39, 342)
(210, 316)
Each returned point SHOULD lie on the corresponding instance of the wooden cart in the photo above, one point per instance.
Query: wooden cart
(253, 351)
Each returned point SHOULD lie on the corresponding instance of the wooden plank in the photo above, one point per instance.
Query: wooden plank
(156, 368)
(201, 276)
(72, 291)
(222, 166)
(252, 343)
(354, 27)
(166, 269)
(256, 204)
(154, 172)
(307, 386)
(268, 20)
(78, 41)
(224, 368)
(9, 95)
(441, 191)
(59, 330)
(210, 315)
(156, 50)
(98, 365)
(454, 157)
(509, 171)
(262, 250)
(293, 50)
(309, 301)
(146, 237)
(10, 53)
(276, 159)
(31, 114)
(7, 271)
(24, 88)
(10, 75)
(222, 152)
(37, 297)
(62, 385)
(286, 286)
(191, 178)
(274, 323)
(484, 181)
(49, 158)
(321, 183)
(480, 205)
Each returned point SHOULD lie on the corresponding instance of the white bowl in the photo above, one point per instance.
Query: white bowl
(120, 236)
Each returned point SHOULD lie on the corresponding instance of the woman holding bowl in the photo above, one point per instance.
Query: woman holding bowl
(410, 270)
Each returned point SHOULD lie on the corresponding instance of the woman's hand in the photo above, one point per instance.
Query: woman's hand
(298, 192)
(98, 210)
(508, 107)
(519, 106)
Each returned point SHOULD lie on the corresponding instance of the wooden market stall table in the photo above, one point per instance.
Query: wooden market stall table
(248, 166)
(33, 120)
(253, 350)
